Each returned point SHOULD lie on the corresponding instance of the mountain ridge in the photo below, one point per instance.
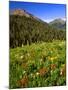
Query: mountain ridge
(23, 12)
(58, 23)
(26, 29)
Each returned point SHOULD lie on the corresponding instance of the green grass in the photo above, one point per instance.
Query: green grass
(38, 65)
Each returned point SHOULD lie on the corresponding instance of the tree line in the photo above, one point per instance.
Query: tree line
(24, 30)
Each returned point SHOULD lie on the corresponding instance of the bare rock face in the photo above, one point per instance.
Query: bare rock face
(20, 12)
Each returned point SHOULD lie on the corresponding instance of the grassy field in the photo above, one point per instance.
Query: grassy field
(38, 65)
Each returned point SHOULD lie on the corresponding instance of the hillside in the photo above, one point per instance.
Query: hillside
(38, 65)
(59, 24)
(26, 28)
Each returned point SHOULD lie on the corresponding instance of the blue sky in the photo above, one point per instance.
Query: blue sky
(44, 11)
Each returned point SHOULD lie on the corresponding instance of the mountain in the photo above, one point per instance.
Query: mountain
(58, 23)
(22, 12)
(26, 28)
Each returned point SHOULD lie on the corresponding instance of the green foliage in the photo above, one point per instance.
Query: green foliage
(26, 30)
(38, 65)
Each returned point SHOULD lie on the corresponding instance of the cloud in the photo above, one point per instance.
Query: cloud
(49, 20)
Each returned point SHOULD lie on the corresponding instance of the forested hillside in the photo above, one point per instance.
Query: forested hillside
(26, 30)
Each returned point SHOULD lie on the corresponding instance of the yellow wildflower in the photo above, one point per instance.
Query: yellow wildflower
(37, 73)
(52, 58)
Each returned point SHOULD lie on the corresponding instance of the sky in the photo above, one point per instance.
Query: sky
(46, 12)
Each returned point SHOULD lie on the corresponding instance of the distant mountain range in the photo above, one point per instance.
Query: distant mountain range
(58, 23)
(26, 28)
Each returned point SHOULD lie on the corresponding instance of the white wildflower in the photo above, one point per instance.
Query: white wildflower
(41, 60)
(31, 74)
(22, 57)
(24, 72)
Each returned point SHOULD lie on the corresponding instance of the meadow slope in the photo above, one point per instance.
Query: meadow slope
(37, 65)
